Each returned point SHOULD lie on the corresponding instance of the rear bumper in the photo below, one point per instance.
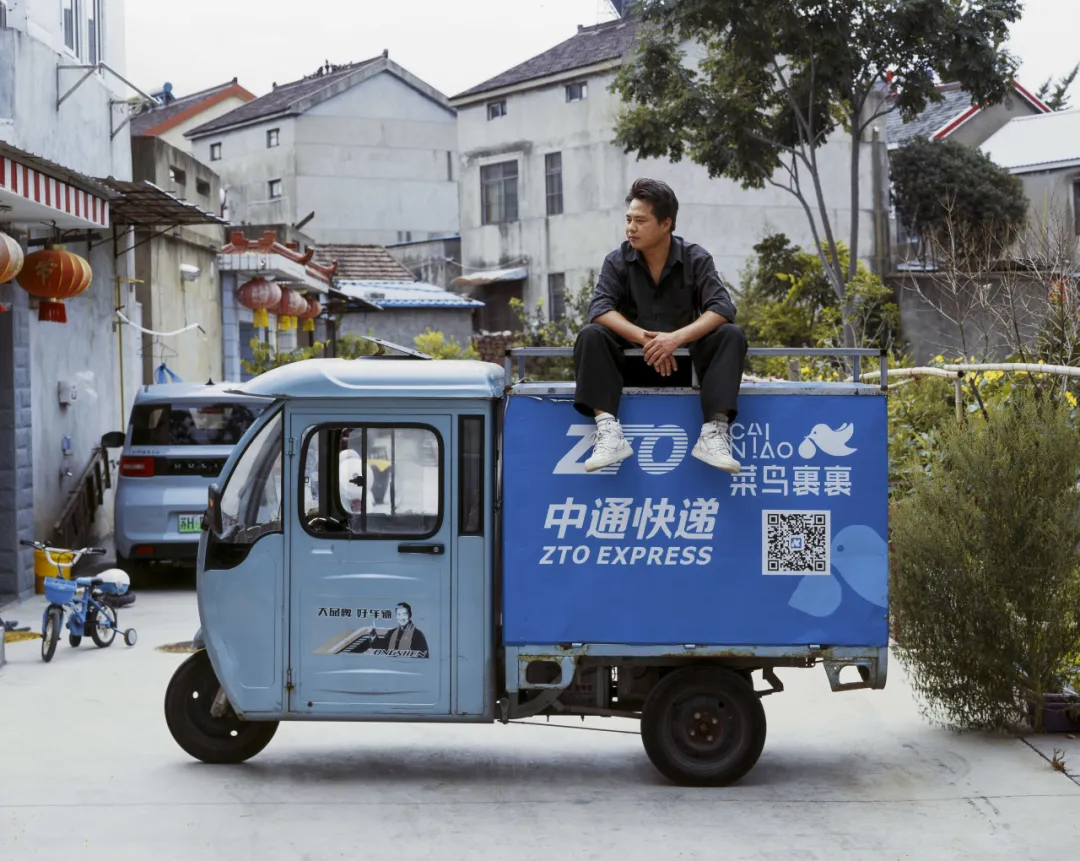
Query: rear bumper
(166, 552)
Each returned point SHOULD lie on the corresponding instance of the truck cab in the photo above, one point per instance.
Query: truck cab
(410, 540)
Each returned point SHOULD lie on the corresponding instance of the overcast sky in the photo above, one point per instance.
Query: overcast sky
(451, 44)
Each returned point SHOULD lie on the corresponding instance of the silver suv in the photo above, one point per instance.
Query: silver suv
(178, 439)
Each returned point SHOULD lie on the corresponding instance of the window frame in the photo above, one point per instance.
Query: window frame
(312, 434)
(95, 41)
(273, 138)
(583, 91)
(269, 417)
(550, 174)
(215, 148)
(75, 47)
(551, 295)
(481, 478)
(270, 190)
(500, 106)
(484, 183)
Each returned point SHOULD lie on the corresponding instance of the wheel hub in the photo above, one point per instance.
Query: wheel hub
(702, 726)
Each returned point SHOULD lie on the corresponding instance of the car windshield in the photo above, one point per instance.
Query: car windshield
(209, 423)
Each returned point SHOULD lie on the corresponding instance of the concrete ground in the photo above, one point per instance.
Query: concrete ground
(88, 767)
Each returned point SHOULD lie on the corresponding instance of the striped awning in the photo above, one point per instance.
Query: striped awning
(37, 192)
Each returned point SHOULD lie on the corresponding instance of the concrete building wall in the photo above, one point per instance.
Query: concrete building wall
(596, 176)
(987, 121)
(247, 166)
(175, 135)
(435, 261)
(374, 163)
(171, 302)
(91, 350)
(402, 325)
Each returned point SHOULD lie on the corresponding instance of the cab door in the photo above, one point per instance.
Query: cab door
(370, 563)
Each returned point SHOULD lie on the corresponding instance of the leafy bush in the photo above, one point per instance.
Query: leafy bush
(786, 300)
(535, 329)
(935, 182)
(985, 589)
(437, 346)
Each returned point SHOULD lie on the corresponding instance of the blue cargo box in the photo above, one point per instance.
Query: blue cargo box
(665, 550)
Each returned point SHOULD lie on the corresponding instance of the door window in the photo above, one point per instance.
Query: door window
(372, 481)
(251, 500)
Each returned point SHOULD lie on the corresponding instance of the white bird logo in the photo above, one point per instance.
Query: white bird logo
(832, 442)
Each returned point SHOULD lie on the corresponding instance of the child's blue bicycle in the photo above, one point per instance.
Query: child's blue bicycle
(92, 602)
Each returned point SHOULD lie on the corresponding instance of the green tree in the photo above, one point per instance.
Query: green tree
(779, 77)
(985, 591)
(944, 189)
(1056, 93)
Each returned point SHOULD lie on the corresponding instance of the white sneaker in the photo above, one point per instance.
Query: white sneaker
(610, 446)
(714, 447)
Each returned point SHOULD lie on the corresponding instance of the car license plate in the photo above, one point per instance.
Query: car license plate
(191, 523)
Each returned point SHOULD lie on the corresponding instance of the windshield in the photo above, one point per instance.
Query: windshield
(207, 423)
(251, 500)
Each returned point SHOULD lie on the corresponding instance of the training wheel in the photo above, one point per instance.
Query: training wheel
(130, 636)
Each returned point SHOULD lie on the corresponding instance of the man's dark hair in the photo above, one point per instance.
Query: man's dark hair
(657, 194)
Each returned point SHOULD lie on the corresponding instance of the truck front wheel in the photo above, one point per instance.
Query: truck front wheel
(703, 726)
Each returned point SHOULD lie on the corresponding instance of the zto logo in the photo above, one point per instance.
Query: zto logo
(832, 442)
(646, 437)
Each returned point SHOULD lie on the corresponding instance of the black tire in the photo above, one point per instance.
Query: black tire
(703, 726)
(74, 640)
(226, 739)
(51, 635)
(103, 637)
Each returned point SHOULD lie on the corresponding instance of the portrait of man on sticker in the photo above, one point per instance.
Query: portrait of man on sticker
(403, 641)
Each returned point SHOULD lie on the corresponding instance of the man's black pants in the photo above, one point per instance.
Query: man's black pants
(602, 371)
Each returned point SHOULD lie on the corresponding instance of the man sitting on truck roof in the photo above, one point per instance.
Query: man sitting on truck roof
(659, 292)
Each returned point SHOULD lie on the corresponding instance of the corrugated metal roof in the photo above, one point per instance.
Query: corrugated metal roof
(1040, 142)
(591, 45)
(398, 294)
(363, 263)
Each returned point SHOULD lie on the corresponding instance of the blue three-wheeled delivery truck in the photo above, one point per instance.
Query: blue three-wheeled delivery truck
(397, 539)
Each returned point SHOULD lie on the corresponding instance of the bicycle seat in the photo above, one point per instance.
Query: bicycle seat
(88, 581)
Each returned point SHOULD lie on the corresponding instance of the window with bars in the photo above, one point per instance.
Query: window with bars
(557, 294)
(553, 182)
(499, 192)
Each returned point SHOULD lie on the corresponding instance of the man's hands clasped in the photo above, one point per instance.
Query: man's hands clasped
(659, 349)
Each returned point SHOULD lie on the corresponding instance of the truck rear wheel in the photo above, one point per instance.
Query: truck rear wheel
(225, 739)
(703, 726)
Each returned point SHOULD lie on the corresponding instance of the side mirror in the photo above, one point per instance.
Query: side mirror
(113, 439)
(212, 515)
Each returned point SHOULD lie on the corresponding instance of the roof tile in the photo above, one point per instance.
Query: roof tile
(283, 97)
(363, 263)
(607, 41)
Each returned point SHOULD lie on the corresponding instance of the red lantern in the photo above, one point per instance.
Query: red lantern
(259, 295)
(54, 275)
(11, 258)
(292, 304)
(314, 309)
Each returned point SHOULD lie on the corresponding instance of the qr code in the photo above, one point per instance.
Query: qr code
(795, 542)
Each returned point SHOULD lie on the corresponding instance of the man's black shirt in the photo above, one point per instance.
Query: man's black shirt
(689, 286)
